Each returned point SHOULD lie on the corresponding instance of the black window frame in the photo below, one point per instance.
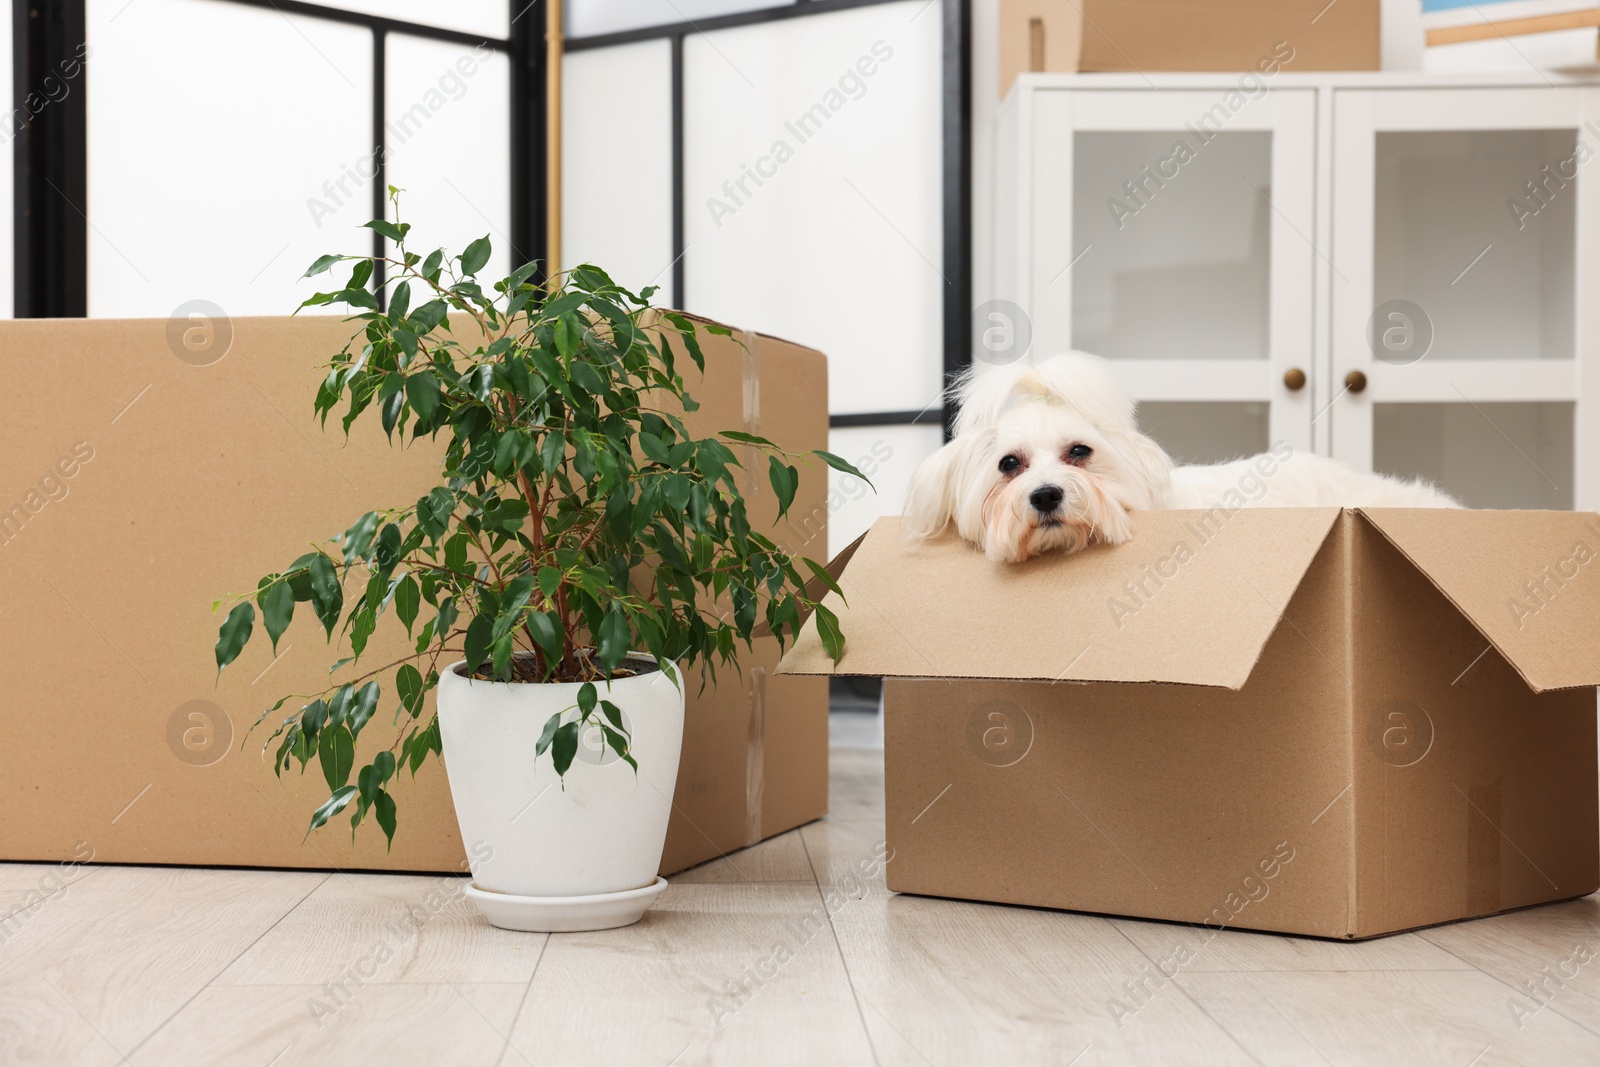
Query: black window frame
(50, 164)
(50, 252)
(955, 172)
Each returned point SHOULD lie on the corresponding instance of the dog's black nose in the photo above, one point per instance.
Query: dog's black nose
(1046, 498)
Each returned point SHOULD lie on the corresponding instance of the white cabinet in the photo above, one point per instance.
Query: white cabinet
(1390, 269)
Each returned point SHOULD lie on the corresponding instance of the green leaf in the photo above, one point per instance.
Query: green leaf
(619, 745)
(366, 702)
(564, 747)
(587, 695)
(389, 229)
(549, 581)
(476, 256)
(337, 751)
(501, 655)
(362, 623)
(322, 264)
(746, 438)
(358, 538)
(383, 807)
(327, 598)
(235, 631)
(446, 619)
(409, 684)
(548, 733)
(407, 601)
(331, 807)
(427, 318)
(423, 392)
(785, 480)
(840, 464)
(821, 574)
(828, 630)
(399, 302)
(547, 634)
(614, 638)
(480, 636)
(277, 611)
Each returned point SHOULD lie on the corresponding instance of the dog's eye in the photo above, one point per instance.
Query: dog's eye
(1010, 464)
(1079, 452)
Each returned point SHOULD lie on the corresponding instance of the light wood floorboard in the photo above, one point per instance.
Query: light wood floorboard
(791, 952)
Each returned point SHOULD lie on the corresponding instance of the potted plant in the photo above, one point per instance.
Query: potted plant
(583, 546)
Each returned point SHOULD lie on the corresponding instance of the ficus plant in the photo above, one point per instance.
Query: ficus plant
(577, 517)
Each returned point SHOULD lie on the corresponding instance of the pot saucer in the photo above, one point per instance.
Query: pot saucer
(550, 915)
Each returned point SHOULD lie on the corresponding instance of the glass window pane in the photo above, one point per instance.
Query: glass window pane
(1476, 228)
(1505, 455)
(590, 18)
(812, 193)
(447, 141)
(1177, 259)
(616, 190)
(229, 188)
(492, 18)
(1206, 431)
(886, 454)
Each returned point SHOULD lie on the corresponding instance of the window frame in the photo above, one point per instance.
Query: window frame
(50, 154)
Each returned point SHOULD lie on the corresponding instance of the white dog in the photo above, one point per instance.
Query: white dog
(1048, 456)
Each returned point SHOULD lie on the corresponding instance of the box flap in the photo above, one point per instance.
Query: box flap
(1192, 599)
(1521, 577)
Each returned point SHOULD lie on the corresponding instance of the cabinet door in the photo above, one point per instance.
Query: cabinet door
(1458, 258)
(1171, 232)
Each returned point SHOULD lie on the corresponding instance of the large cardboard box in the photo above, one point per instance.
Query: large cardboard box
(1147, 36)
(1312, 721)
(151, 467)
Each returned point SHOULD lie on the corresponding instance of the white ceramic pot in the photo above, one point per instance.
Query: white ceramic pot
(548, 855)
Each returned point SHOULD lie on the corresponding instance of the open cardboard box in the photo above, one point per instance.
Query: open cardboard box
(151, 467)
(1312, 721)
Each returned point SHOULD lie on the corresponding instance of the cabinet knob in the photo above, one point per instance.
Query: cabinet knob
(1355, 381)
(1295, 379)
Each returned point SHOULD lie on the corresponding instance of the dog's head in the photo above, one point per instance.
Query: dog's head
(1044, 458)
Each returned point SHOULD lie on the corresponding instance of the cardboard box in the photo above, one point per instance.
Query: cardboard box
(1311, 721)
(151, 467)
(1186, 35)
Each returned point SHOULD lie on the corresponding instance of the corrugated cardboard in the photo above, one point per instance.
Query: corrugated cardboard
(150, 468)
(1186, 35)
(1411, 739)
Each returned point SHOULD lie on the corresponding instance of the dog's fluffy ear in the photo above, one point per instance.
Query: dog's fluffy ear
(935, 492)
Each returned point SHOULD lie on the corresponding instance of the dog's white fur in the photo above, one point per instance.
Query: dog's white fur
(1038, 418)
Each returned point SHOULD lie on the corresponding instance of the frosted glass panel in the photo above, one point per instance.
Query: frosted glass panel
(812, 193)
(1175, 258)
(886, 454)
(492, 18)
(1471, 227)
(448, 139)
(589, 18)
(227, 189)
(616, 199)
(1488, 455)
(1206, 432)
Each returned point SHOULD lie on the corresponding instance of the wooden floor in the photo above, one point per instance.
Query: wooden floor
(268, 968)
